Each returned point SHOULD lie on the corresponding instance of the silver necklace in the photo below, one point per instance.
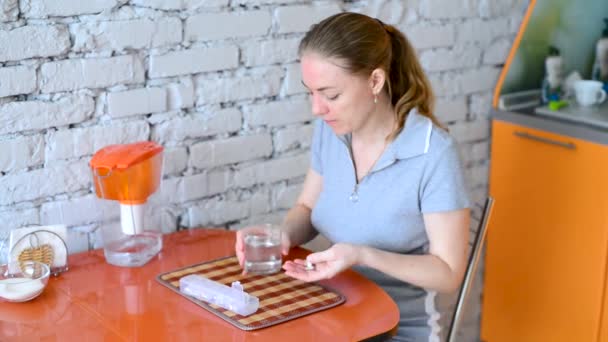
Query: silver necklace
(354, 196)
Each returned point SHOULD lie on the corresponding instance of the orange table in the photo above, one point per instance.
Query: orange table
(95, 301)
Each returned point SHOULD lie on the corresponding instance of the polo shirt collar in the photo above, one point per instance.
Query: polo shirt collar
(413, 140)
(415, 137)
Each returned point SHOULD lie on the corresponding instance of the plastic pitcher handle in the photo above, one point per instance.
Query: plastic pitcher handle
(602, 96)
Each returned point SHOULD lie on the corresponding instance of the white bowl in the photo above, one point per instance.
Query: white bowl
(23, 282)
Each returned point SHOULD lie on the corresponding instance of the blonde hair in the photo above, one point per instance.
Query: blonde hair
(365, 44)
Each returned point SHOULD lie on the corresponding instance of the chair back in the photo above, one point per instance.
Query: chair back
(471, 268)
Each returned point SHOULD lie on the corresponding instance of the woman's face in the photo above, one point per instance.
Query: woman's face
(345, 101)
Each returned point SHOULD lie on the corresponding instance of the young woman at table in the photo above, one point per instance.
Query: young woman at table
(385, 185)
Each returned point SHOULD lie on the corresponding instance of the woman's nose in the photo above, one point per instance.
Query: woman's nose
(318, 107)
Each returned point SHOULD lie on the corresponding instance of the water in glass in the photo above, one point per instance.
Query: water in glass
(263, 251)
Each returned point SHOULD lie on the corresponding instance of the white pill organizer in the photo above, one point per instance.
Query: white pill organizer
(232, 298)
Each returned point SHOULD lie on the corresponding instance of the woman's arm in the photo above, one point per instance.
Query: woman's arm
(297, 223)
(441, 269)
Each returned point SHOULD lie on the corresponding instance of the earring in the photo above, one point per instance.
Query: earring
(375, 98)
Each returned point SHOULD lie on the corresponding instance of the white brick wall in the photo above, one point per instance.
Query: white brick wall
(198, 125)
(64, 8)
(264, 83)
(36, 115)
(483, 31)
(479, 103)
(469, 132)
(286, 196)
(78, 142)
(76, 211)
(431, 36)
(127, 34)
(218, 83)
(238, 149)
(460, 57)
(263, 2)
(479, 79)
(9, 10)
(33, 41)
(17, 80)
(293, 81)
(20, 217)
(450, 110)
(276, 51)
(204, 185)
(299, 18)
(215, 212)
(12, 152)
(180, 4)
(394, 11)
(41, 183)
(193, 61)
(216, 26)
(137, 101)
(493, 8)
(293, 137)
(75, 74)
(497, 51)
(278, 113)
(175, 160)
(441, 9)
(180, 95)
(272, 171)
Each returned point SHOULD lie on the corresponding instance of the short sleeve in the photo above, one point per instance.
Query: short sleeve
(443, 183)
(315, 149)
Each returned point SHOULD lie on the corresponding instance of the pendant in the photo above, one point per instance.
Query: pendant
(354, 197)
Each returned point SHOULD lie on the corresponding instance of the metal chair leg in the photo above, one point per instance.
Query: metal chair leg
(471, 268)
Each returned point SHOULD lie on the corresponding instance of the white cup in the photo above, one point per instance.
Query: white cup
(589, 92)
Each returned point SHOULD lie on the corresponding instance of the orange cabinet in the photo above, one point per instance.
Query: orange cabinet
(547, 246)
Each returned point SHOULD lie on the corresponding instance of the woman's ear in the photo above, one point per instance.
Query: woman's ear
(377, 80)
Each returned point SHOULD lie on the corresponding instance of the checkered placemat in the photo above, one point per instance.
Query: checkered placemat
(282, 298)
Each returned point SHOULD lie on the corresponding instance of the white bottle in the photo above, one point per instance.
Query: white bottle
(600, 67)
(551, 89)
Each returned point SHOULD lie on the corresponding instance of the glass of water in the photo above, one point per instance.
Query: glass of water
(263, 249)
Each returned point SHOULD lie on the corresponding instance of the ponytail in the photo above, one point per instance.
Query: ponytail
(407, 84)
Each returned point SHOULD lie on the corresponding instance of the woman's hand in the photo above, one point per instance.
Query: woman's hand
(239, 246)
(327, 263)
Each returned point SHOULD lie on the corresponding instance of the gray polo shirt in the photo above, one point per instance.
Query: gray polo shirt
(419, 172)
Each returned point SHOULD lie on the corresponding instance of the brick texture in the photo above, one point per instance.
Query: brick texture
(35, 115)
(33, 41)
(64, 8)
(73, 74)
(17, 80)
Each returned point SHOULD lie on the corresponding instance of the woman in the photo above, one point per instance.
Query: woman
(385, 183)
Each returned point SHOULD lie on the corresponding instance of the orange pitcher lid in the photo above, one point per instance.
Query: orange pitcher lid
(124, 156)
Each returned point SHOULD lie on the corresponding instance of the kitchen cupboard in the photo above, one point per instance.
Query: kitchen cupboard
(547, 242)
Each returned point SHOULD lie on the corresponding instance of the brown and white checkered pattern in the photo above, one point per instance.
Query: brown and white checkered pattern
(282, 298)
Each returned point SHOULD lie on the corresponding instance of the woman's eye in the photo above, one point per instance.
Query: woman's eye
(335, 97)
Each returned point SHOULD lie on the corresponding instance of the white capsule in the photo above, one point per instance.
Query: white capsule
(309, 266)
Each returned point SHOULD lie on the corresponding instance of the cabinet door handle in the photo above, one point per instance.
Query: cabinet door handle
(526, 135)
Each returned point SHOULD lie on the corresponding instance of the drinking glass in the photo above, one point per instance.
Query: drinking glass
(263, 249)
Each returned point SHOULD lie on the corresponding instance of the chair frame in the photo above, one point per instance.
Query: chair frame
(471, 268)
